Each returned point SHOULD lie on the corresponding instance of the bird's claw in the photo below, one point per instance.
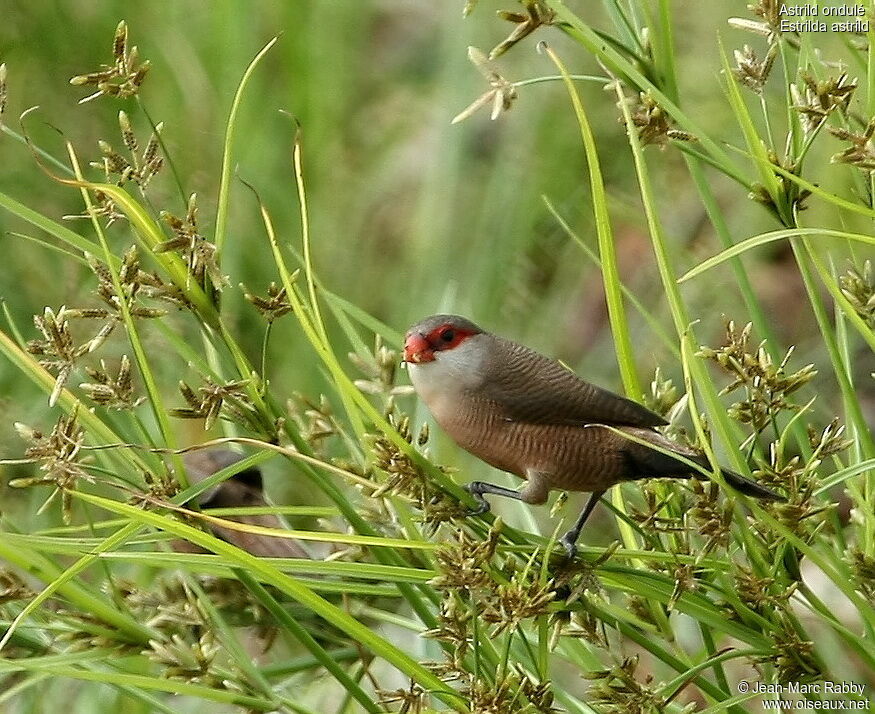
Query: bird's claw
(481, 508)
(569, 546)
(482, 504)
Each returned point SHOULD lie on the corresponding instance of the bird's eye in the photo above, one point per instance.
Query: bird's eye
(448, 335)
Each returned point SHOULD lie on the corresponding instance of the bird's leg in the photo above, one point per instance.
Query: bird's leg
(535, 491)
(569, 540)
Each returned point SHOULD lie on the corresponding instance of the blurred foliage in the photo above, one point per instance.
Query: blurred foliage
(410, 214)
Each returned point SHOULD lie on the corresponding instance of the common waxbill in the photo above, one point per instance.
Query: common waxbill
(526, 414)
(241, 490)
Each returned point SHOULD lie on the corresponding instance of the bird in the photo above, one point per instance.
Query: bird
(243, 489)
(525, 413)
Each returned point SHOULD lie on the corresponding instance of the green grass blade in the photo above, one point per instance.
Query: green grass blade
(223, 201)
(61, 582)
(610, 272)
(305, 638)
(143, 682)
(765, 238)
(81, 244)
(269, 574)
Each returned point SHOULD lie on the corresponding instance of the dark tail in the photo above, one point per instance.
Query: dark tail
(750, 488)
(664, 462)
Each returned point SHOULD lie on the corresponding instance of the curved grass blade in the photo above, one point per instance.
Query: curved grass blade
(844, 474)
(305, 638)
(228, 153)
(53, 228)
(812, 187)
(142, 682)
(765, 238)
(610, 271)
(29, 560)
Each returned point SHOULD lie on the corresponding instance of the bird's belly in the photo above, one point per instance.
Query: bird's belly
(572, 458)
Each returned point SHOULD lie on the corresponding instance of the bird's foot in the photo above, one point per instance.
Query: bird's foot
(476, 490)
(569, 543)
(569, 540)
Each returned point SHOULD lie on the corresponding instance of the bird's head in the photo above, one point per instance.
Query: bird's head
(428, 338)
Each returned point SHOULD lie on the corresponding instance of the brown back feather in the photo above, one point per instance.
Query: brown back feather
(535, 389)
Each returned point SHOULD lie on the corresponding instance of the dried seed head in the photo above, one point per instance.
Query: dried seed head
(768, 10)
(188, 659)
(120, 43)
(27, 433)
(57, 350)
(751, 71)
(816, 100)
(412, 699)
(828, 442)
(711, 519)
(618, 689)
(150, 153)
(465, 564)
(501, 96)
(140, 168)
(200, 255)
(117, 393)
(315, 420)
(128, 138)
(454, 622)
(801, 514)
(523, 597)
(4, 91)
(135, 285)
(863, 566)
(123, 77)
(213, 400)
(766, 384)
(272, 307)
(130, 267)
(537, 14)
(759, 593)
(858, 286)
(769, 25)
(381, 369)
(654, 124)
(792, 657)
(88, 313)
(59, 457)
(652, 516)
(861, 152)
(757, 28)
(486, 697)
(13, 588)
(405, 478)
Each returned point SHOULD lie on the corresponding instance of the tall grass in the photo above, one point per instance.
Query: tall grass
(417, 606)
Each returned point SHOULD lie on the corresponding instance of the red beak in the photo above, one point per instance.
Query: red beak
(417, 349)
